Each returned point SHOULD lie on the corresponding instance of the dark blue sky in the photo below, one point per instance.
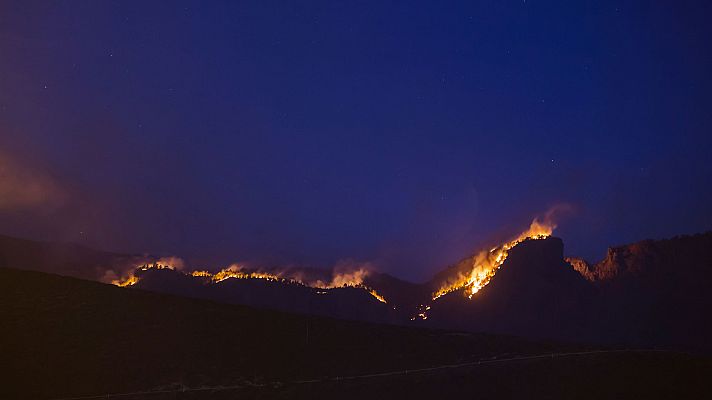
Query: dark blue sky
(406, 134)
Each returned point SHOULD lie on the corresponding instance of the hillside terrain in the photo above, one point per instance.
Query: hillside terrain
(653, 293)
(66, 337)
(67, 259)
(535, 293)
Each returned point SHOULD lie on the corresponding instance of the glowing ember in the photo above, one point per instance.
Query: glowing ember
(156, 265)
(132, 279)
(351, 278)
(422, 309)
(235, 271)
(376, 295)
(128, 281)
(486, 264)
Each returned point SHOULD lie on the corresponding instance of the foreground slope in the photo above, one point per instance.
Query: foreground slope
(69, 337)
(64, 336)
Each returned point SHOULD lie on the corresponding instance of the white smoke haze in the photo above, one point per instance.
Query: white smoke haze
(24, 187)
(350, 273)
(345, 273)
(475, 272)
(125, 269)
(171, 262)
(110, 276)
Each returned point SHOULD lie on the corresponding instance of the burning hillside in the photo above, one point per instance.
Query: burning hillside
(536, 291)
(340, 278)
(485, 264)
(470, 277)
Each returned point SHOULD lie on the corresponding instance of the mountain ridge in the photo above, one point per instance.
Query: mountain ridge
(649, 293)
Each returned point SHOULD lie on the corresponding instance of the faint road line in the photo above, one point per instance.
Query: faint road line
(367, 376)
(469, 364)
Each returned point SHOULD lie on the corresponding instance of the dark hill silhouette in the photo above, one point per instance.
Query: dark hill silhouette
(398, 292)
(64, 258)
(651, 293)
(346, 302)
(66, 337)
(535, 293)
(655, 293)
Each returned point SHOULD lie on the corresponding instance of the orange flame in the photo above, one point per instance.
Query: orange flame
(128, 281)
(343, 278)
(131, 279)
(348, 278)
(486, 263)
(376, 295)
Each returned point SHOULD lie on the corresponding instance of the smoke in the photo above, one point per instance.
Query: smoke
(556, 214)
(171, 262)
(347, 273)
(476, 271)
(124, 270)
(23, 187)
(344, 273)
(110, 276)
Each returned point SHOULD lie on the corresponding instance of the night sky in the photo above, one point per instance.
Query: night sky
(403, 134)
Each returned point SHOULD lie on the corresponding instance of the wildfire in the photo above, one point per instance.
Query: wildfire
(422, 313)
(348, 278)
(236, 271)
(128, 281)
(486, 263)
(340, 279)
(376, 295)
(156, 265)
(132, 279)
